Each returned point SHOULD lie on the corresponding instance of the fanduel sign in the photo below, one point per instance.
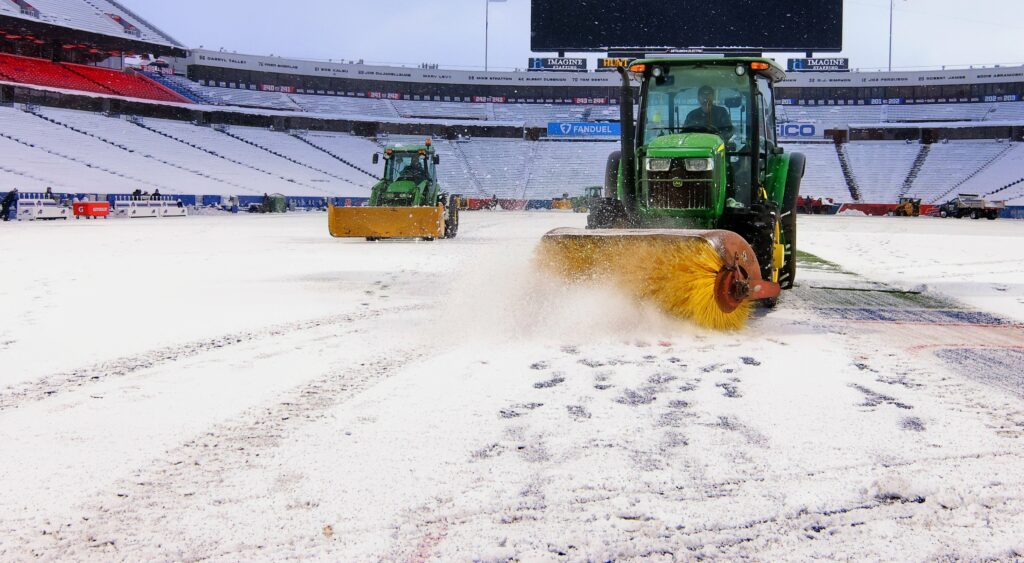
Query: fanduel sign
(572, 65)
(584, 129)
(819, 65)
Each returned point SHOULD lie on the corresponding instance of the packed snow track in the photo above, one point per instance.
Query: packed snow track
(247, 388)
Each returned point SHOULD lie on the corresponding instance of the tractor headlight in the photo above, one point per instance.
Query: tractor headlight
(659, 164)
(699, 164)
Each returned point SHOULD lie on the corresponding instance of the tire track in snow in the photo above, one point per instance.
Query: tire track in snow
(49, 386)
(187, 478)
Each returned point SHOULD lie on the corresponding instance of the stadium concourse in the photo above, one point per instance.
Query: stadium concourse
(98, 102)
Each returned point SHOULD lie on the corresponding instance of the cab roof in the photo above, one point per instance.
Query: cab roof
(409, 148)
(775, 71)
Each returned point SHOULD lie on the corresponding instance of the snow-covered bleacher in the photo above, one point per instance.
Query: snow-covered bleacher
(881, 167)
(498, 166)
(444, 110)
(824, 177)
(1000, 178)
(566, 167)
(345, 106)
(83, 152)
(951, 164)
(938, 112)
(299, 148)
(246, 98)
(830, 116)
(538, 115)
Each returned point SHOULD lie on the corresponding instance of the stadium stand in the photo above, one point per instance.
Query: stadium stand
(951, 164)
(84, 78)
(345, 106)
(824, 177)
(130, 84)
(1002, 178)
(298, 150)
(557, 168)
(98, 16)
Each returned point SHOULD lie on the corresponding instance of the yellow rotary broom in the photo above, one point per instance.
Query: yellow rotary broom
(711, 277)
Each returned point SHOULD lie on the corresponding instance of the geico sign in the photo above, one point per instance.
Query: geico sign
(798, 130)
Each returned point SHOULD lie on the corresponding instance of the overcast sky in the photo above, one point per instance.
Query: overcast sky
(929, 33)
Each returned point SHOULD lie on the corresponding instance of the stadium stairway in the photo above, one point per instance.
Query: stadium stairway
(179, 89)
(992, 162)
(143, 125)
(915, 169)
(332, 155)
(461, 157)
(21, 128)
(227, 132)
(844, 163)
(128, 149)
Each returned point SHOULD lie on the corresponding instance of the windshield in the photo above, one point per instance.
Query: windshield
(712, 99)
(407, 166)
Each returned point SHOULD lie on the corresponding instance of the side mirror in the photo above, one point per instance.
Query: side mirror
(778, 150)
(376, 158)
(437, 159)
(733, 102)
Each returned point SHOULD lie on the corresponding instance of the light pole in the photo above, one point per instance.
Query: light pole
(892, 4)
(487, 32)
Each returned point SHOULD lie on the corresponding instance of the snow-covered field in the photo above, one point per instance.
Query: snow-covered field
(246, 388)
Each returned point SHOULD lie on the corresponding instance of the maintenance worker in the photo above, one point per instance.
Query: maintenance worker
(8, 202)
(710, 115)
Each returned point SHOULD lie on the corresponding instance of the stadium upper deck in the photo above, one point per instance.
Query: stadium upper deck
(101, 17)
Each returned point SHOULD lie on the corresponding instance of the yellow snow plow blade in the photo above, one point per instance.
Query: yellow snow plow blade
(711, 277)
(386, 222)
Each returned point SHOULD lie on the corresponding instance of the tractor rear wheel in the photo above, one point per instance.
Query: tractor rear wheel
(797, 163)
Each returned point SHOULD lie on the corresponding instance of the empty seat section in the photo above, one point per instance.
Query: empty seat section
(558, 168)
(45, 73)
(824, 176)
(881, 168)
(949, 164)
(997, 176)
(297, 149)
(127, 84)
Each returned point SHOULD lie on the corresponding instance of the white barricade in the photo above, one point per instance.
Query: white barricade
(35, 207)
(147, 208)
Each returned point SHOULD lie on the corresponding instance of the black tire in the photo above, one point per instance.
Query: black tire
(975, 215)
(993, 216)
(607, 213)
(787, 275)
(944, 214)
(372, 239)
(451, 224)
(769, 303)
(611, 175)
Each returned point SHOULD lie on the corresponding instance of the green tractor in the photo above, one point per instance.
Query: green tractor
(406, 203)
(582, 203)
(700, 167)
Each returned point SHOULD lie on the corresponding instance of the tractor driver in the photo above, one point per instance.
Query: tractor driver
(710, 115)
(415, 171)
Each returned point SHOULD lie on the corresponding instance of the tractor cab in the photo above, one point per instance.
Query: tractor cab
(410, 176)
(705, 139)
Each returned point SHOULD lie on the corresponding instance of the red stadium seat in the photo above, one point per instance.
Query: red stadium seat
(133, 85)
(84, 78)
(45, 73)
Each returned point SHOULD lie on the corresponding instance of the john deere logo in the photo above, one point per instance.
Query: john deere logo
(677, 183)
